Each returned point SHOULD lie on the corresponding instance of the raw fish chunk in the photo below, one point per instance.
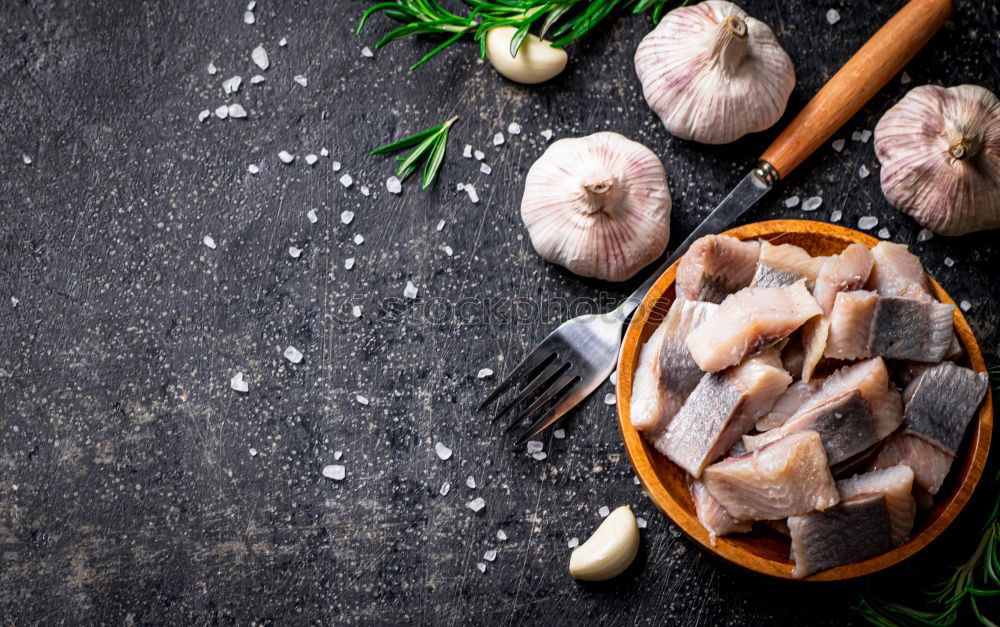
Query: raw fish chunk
(815, 334)
(721, 409)
(845, 272)
(912, 330)
(851, 321)
(666, 374)
(788, 403)
(793, 356)
(898, 272)
(943, 400)
(852, 531)
(929, 463)
(784, 264)
(716, 266)
(712, 516)
(787, 477)
(895, 484)
(748, 321)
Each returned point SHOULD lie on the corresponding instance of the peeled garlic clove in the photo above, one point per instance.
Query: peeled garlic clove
(598, 205)
(940, 154)
(536, 61)
(610, 550)
(713, 73)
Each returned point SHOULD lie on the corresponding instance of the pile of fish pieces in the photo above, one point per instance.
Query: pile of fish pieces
(774, 381)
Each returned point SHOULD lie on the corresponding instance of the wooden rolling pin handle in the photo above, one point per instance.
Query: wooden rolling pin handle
(871, 67)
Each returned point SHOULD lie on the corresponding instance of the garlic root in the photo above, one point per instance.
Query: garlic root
(610, 550)
(536, 62)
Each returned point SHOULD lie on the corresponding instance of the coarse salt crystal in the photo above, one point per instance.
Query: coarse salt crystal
(856, 136)
(905, 79)
(838, 144)
(367, 52)
(501, 535)
(559, 434)
(301, 80)
(866, 135)
(614, 377)
(253, 168)
(338, 454)
(965, 305)
(212, 69)
(546, 134)
(445, 489)
(311, 159)
(484, 168)
(490, 555)
(480, 155)
(256, 79)
(251, 5)
(208, 241)
(346, 216)
(248, 17)
(293, 354)
(604, 511)
(636, 481)
(393, 185)
(812, 203)
(346, 180)
(640, 522)
(867, 222)
(440, 226)
(793, 201)
(336, 166)
(514, 128)
(323, 152)
(337, 472)
(365, 191)
(609, 399)
(283, 42)
(311, 216)
(573, 543)
(836, 215)
(948, 261)
(448, 250)
(294, 252)
(481, 565)
(883, 233)
(467, 151)
(349, 263)
(471, 482)
(498, 139)
(832, 16)
(442, 451)
(459, 187)
(356, 311)
(539, 456)
(863, 172)
(359, 239)
(259, 57)
(483, 373)
(204, 115)
(410, 291)
(238, 384)
(924, 235)
(534, 446)
(237, 111)
(14, 301)
(222, 112)
(232, 85)
(253, 452)
(362, 400)
(286, 157)
(476, 504)
(471, 191)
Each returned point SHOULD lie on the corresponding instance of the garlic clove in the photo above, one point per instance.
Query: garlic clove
(712, 73)
(598, 205)
(940, 154)
(536, 62)
(610, 550)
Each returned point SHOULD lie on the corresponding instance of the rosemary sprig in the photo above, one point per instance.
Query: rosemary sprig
(977, 578)
(430, 147)
(566, 20)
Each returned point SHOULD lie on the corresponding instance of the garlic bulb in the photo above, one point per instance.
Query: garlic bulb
(713, 73)
(598, 205)
(610, 550)
(536, 61)
(940, 154)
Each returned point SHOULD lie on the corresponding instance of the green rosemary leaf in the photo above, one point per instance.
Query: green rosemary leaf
(434, 161)
(427, 57)
(410, 163)
(406, 142)
(515, 41)
(430, 148)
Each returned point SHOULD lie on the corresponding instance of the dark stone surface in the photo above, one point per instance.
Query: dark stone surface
(128, 492)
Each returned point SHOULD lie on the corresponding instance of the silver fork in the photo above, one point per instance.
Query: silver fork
(582, 352)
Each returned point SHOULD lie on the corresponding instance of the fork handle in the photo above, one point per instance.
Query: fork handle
(871, 67)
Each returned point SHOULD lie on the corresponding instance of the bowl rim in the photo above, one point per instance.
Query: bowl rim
(972, 457)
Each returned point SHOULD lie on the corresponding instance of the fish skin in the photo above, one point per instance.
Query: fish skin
(850, 532)
(666, 374)
(788, 403)
(714, 267)
(788, 477)
(943, 402)
(769, 276)
(930, 464)
(789, 259)
(713, 516)
(748, 321)
(895, 484)
(846, 272)
(912, 330)
(851, 319)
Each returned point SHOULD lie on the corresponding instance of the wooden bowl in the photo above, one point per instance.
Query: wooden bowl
(764, 551)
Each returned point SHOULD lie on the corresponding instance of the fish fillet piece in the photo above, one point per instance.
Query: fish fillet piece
(721, 409)
(788, 403)
(845, 272)
(815, 334)
(793, 356)
(784, 264)
(943, 401)
(713, 516)
(854, 530)
(787, 477)
(748, 321)
(851, 319)
(895, 484)
(666, 374)
(898, 272)
(929, 463)
(716, 266)
(912, 330)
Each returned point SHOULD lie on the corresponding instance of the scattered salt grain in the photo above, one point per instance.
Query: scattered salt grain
(338, 454)
(965, 305)
(460, 187)
(248, 17)
(547, 134)
(336, 472)
(294, 252)
(201, 118)
(251, 5)
(286, 157)
(484, 168)
(467, 151)
(475, 505)
(237, 111)
(208, 241)
(293, 354)
(867, 222)
(232, 85)
(514, 128)
(498, 139)
(253, 168)
(905, 79)
(479, 154)
(490, 555)
(471, 191)
(311, 159)
(440, 226)
(534, 446)
(336, 166)
(636, 481)
(539, 456)
(792, 202)
(573, 543)
(253, 452)
(836, 215)
(604, 511)
(311, 216)
(367, 52)
(212, 69)
(924, 235)
(301, 80)
(483, 373)
(394, 185)
(812, 203)
(448, 250)
(480, 565)
(443, 452)
(501, 535)
(856, 136)
(14, 301)
(609, 399)
(948, 261)
(259, 56)
(832, 16)
(323, 152)
(445, 489)
(222, 112)
(359, 239)
(838, 144)
(238, 384)
(863, 172)
(365, 191)
(256, 79)
(471, 482)
(883, 233)
(349, 263)
(410, 291)
(865, 136)
(362, 400)
(283, 42)
(346, 217)
(614, 377)
(356, 311)
(559, 434)
(346, 180)
(640, 522)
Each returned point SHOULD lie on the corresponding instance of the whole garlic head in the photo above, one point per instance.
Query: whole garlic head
(536, 62)
(598, 205)
(713, 73)
(940, 154)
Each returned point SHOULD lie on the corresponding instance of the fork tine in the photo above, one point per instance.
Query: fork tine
(550, 417)
(558, 386)
(534, 359)
(543, 377)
